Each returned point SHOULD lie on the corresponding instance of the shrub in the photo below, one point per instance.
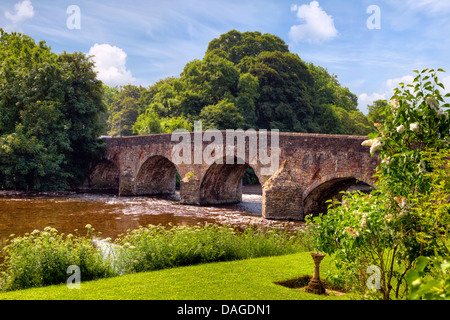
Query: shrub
(408, 215)
(157, 247)
(41, 258)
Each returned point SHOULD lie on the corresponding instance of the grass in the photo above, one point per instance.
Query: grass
(250, 279)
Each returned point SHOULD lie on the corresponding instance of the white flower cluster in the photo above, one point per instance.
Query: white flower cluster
(403, 204)
(374, 144)
(394, 103)
(431, 101)
(414, 126)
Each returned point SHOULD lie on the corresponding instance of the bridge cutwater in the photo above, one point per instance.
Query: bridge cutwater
(304, 171)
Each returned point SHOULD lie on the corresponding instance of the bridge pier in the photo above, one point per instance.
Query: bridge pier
(282, 197)
(127, 183)
(190, 189)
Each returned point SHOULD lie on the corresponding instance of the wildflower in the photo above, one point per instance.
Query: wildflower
(367, 143)
(400, 129)
(88, 226)
(414, 126)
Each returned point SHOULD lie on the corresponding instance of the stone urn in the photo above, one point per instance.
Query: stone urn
(315, 285)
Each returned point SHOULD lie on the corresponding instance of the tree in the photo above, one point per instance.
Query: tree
(235, 45)
(270, 87)
(284, 101)
(49, 115)
(124, 106)
(221, 116)
(376, 114)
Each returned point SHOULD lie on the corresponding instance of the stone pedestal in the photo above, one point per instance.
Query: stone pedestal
(315, 285)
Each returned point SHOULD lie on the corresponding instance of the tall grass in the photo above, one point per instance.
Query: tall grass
(156, 247)
(42, 257)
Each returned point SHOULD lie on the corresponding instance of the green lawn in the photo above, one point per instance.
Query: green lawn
(241, 280)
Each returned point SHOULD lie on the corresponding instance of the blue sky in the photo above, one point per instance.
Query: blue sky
(141, 42)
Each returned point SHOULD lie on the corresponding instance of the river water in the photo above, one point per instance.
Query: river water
(112, 215)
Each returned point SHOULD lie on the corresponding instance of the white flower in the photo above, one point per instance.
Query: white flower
(386, 160)
(400, 129)
(394, 104)
(414, 126)
(441, 113)
(431, 101)
(377, 144)
(367, 143)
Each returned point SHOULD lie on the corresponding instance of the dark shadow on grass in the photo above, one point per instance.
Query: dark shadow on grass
(302, 282)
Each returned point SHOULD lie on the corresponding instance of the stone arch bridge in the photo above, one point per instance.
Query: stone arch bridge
(304, 171)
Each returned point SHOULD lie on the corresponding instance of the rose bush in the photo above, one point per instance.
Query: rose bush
(407, 215)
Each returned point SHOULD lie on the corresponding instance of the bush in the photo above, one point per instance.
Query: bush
(430, 280)
(157, 247)
(408, 215)
(42, 258)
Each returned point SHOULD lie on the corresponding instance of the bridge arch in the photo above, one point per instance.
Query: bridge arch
(222, 182)
(326, 188)
(104, 176)
(156, 175)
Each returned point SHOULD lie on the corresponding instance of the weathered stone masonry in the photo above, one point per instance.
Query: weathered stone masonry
(312, 169)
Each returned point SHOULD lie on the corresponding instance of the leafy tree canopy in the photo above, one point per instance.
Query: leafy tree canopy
(50, 107)
(246, 80)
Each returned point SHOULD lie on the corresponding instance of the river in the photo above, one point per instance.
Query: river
(112, 215)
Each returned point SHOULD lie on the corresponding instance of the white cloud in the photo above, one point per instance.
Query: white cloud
(427, 6)
(23, 10)
(318, 26)
(110, 63)
(365, 99)
(386, 92)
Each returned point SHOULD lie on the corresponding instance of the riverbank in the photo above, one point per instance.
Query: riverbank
(235, 280)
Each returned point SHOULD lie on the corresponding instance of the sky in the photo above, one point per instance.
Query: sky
(370, 45)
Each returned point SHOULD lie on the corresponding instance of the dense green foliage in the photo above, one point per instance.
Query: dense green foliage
(49, 115)
(408, 216)
(245, 80)
(42, 258)
(156, 247)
